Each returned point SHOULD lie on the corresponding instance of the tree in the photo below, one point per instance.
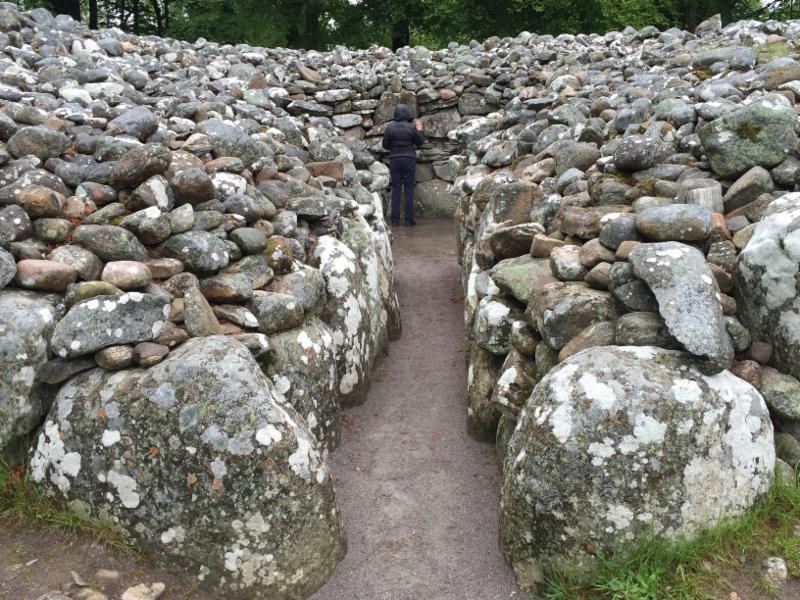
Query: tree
(68, 7)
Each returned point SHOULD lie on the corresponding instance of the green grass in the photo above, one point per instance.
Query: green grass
(768, 52)
(24, 505)
(659, 569)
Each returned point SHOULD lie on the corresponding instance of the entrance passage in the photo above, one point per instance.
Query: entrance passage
(419, 497)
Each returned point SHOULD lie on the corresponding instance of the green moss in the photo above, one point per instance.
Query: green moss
(768, 52)
(703, 74)
(748, 131)
(648, 186)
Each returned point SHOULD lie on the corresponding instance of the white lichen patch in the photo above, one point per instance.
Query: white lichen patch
(126, 488)
(51, 455)
(110, 437)
(269, 434)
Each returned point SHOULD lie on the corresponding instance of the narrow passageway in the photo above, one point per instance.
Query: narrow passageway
(419, 497)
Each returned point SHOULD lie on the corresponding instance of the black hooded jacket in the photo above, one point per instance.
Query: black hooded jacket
(401, 138)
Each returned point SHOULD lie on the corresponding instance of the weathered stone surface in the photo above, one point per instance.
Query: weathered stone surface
(45, 275)
(200, 252)
(93, 324)
(677, 222)
(254, 470)
(276, 312)
(688, 299)
(41, 142)
(138, 165)
(26, 323)
(110, 242)
(306, 285)
(347, 314)
(494, 319)
(516, 276)
(766, 288)
(759, 134)
(302, 365)
(560, 311)
(619, 442)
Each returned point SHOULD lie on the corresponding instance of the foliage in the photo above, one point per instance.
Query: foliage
(361, 23)
(659, 569)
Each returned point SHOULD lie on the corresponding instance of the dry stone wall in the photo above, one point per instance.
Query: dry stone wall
(626, 230)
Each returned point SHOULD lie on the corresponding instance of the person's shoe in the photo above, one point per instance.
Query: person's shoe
(410, 223)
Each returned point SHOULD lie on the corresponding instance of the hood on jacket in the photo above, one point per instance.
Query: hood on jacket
(402, 113)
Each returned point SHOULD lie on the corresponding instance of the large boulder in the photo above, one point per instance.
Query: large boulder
(302, 365)
(347, 314)
(202, 462)
(26, 323)
(759, 134)
(621, 442)
(767, 284)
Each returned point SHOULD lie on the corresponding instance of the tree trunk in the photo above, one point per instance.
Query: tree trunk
(401, 34)
(305, 32)
(159, 19)
(68, 7)
(136, 17)
(93, 14)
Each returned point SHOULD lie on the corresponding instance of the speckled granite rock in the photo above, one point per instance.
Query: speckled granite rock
(201, 460)
(676, 452)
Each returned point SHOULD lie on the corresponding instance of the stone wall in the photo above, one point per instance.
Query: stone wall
(626, 227)
(195, 278)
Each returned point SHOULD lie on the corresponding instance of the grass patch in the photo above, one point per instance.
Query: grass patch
(768, 52)
(660, 569)
(24, 505)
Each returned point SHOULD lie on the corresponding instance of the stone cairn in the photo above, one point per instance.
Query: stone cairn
(196, 276)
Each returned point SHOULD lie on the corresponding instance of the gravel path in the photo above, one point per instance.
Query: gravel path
(419, 496)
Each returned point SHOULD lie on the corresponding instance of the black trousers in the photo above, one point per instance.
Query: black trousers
(403, 170)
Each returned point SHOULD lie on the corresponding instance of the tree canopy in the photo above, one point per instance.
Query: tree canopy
(319, 24)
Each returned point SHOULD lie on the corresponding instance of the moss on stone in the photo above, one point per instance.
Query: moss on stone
(773, 50)
(748, 131)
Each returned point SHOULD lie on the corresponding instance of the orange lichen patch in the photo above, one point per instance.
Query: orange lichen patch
(191, 479)
(153, 451)
(101, 412)
(216, 485)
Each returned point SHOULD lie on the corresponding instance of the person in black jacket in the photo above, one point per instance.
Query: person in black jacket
(402, 139)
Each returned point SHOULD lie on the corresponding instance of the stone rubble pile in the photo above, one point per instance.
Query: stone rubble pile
(627, 230)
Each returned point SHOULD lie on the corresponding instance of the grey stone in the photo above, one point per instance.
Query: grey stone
(26, 323)
(688, 299)
(102, 321)
(766, 289)
(568, 475)
(759, 134)
(208, 395)
(302, 365)
(109, 242)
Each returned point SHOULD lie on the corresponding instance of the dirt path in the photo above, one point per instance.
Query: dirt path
(419, 496)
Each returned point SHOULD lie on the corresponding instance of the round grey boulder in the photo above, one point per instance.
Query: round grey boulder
(204, 464)
(622, 441)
